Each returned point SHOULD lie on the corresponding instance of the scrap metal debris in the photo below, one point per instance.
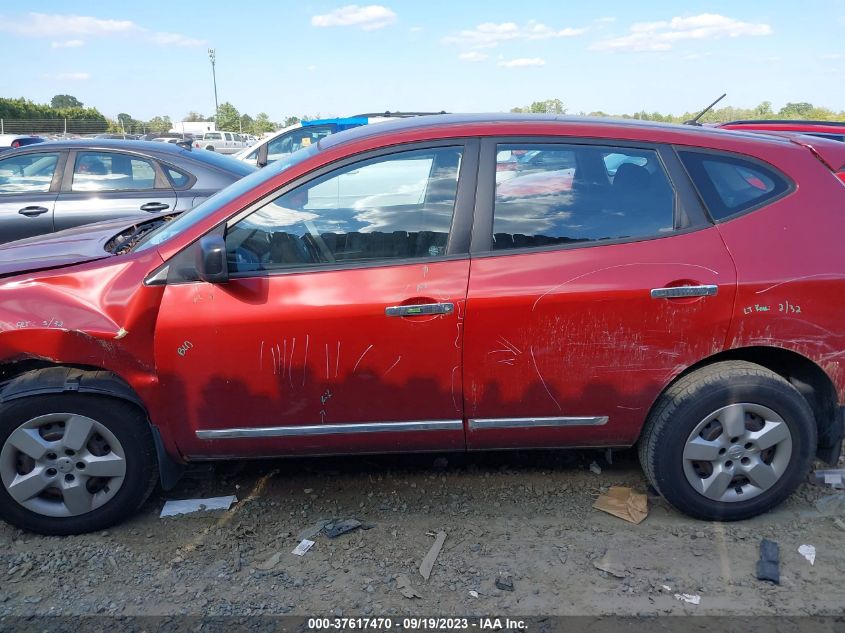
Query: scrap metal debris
(187, 506)
(403, 583)
(808, 552)
(595, 468)
(833, 478)
(688, 597)
(606, 565)
(505, 583)
(624, 503)
(428, 561)
(313, 530)
(768, 567)
(335, 528)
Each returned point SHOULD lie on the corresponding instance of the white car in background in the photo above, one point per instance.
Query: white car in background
(222, 142)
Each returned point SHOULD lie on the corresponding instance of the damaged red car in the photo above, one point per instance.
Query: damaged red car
(682, 290)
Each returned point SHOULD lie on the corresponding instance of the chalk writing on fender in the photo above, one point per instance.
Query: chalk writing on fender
(184, 347)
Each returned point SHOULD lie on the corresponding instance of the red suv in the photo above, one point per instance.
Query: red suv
(682, 290)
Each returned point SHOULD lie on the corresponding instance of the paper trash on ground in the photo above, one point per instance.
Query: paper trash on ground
(808, 552)
(624, 503)
(303, 547)
(187, 506)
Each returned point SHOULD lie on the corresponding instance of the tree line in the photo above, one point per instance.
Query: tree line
(82, 119)
(792, 110)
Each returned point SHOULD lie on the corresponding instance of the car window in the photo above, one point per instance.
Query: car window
(178, 178)
(294, 140)
(111, 171)
(213, 136)
(27, 173)
(732, 184)
(392, 207)
(559, 194)
(228, 136)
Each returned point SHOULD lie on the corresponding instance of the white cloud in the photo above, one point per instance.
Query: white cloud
(522, 62)
(69, 76)
(56, 25)
(416, 29)
(369, 18)
(490, 34)
(662, 35)
(311, 68)
(473, 56)
(834, 56)
(175, 39)
(68, 44)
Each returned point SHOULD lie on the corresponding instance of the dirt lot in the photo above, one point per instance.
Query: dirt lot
(523, 515)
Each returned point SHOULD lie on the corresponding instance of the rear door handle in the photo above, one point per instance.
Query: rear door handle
(681, 292)
(32, 212)
(154, 206)
(419, 309)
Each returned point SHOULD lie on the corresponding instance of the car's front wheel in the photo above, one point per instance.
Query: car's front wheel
(728, 441)
(73, 463)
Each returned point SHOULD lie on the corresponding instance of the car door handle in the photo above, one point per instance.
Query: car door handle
(32, 212)
(681, 292)
(154, 206)
(419, 309)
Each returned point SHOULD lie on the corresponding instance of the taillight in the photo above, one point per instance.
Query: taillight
(841, 175)
(16, 144)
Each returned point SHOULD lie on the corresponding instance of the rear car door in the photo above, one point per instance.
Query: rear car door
(340, 328)
(102, 185)
(29, 184)
(596, 278)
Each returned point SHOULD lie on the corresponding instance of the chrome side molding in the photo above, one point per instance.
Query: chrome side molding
(479, 424)
(330, 429)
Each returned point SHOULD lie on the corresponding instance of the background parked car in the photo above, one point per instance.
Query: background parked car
(222, 142)
(834, 130)
(56, 185)
(14, 141)
(305, 133)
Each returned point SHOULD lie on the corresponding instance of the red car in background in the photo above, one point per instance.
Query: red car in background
(833, 130)
(683, 291)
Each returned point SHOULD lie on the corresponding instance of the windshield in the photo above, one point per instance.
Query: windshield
(221, 198)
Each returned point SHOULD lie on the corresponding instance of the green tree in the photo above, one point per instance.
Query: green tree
(289, 120)
(59, 102)
(126, 121)
(549, 106)
(263, 124)
(228, 117)
(196, 116)
(799, 110)
(159, 124)
(247, 124)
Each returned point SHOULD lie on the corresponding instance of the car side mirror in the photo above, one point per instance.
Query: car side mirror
(211, 260)
(261, 159)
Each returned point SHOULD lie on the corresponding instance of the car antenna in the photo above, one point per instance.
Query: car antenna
(694, 121)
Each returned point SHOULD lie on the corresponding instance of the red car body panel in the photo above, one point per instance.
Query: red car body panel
(556, 332)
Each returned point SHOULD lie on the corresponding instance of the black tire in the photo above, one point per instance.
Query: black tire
(689, 401)
(125, 421)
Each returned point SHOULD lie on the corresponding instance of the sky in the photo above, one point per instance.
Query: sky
(332, 58)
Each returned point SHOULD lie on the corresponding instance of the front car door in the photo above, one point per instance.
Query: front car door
(596, 279)
(29, 185)
(105, 185)
(340, 328)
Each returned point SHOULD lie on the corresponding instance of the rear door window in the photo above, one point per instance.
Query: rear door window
(27, 173)
(111, 171)
(732, 184)
(566, 193)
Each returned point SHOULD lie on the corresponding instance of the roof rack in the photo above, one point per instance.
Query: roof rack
(388, 113)
(805, 121)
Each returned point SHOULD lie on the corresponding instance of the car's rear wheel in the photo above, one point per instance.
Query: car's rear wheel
(210, 148)
(728, 441)
(73, 463)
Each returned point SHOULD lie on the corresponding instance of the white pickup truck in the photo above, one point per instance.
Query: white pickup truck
(223, 142)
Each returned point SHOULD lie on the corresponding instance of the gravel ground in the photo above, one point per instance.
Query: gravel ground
(524, 518)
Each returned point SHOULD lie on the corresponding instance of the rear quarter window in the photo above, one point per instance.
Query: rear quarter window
(730, 185)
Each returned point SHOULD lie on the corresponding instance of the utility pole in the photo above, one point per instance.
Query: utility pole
(213, 57)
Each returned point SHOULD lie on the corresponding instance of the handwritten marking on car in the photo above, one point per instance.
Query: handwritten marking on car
(183, 349)
(393, 365)
(360, 358)
(540, 376)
